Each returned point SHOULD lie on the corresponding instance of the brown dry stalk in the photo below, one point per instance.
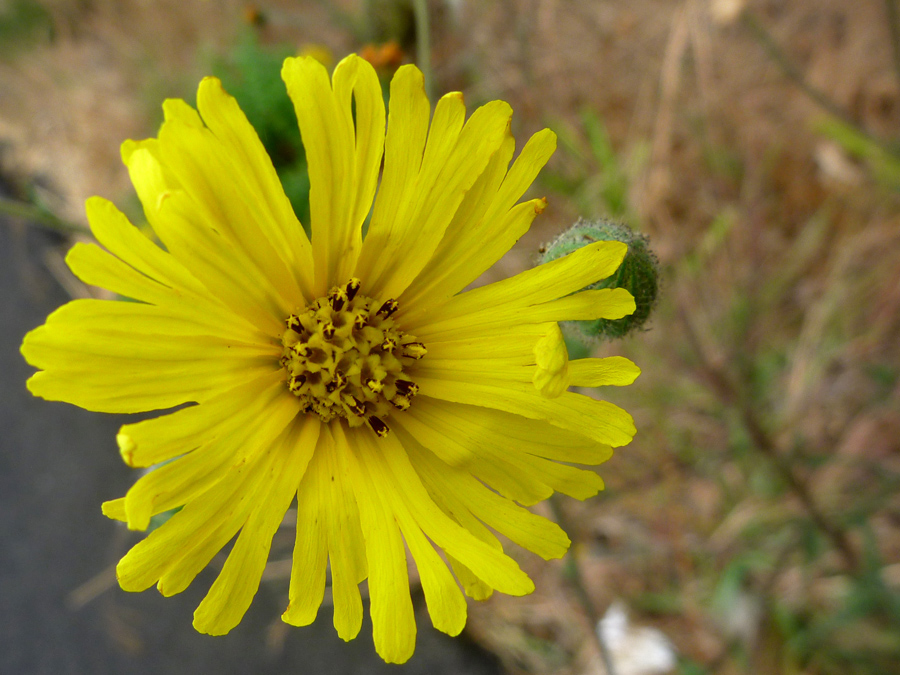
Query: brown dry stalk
(790, 70)
(722, 384)
(584, 599)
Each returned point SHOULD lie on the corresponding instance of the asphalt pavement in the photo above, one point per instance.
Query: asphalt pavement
(59, 613)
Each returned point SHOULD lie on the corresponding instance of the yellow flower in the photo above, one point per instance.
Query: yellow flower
(349, 373)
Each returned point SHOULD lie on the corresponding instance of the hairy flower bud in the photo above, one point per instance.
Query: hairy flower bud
(638, 274)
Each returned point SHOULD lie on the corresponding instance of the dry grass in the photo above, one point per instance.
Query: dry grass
(760, 496)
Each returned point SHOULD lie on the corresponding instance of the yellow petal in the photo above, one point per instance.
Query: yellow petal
(613, 370)
(472, 586)
(404, 147)
(587, 305)
(417, 424)
(450, 504)
(191, 233)
(254, 167)
(109, 356)
(346, 546)
(184, 294)
(190, 538)
(208, 537)
(569, 480)
(225, 210)
(393, 257)
(113, 230)
(115, 509)
(502, 463)
(159, 439)
(604, 422)
(330, 519)
(542, 284)
(468, 498)
(343, 160)
(355, 77)
(488, 563)
(96, 267)
(307, 587)
(512, 434)
(446, 605)
(393, 622)
(180, 481)
(178, 110)
(467, 228)
(480, 237)
(551, 377)
(432, 431)
(513, 345)
(231, 593)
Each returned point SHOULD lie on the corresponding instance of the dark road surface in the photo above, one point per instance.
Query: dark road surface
(57, 464)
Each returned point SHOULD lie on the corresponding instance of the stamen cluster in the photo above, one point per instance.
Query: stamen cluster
(345, 358)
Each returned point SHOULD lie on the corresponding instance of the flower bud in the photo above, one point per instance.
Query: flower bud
(638, 274)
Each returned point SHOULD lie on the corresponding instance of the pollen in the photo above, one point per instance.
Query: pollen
(345, 357)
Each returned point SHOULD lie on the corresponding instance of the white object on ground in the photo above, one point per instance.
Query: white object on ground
(635, 650)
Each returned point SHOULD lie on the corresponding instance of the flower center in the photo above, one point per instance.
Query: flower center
(345, 358)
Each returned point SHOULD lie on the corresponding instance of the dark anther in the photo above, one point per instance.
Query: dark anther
(406, 388)
(293, 323)
(352, 288)
(338, 297)
(357, 407)
(328, 330)
(380, 428)
(360, 321)
(296, 382)
(388, 308)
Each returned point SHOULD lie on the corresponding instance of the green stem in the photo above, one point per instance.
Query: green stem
(38, 216)
(423, 44)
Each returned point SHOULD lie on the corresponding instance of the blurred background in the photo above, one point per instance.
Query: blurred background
(753, 526)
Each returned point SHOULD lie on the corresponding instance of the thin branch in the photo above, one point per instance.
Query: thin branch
(893, 18)
(38, 216)
(792, 72)
(581, 592)
(723, 386)
(423, 44)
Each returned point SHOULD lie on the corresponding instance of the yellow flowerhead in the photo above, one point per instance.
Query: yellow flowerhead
(349, 373)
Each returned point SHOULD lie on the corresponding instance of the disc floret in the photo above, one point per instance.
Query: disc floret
(345, 357)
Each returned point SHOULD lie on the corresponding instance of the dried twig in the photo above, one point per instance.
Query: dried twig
(792, 72)
(722, 384)
(423, 44)
(581, 592)
(893, 18)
